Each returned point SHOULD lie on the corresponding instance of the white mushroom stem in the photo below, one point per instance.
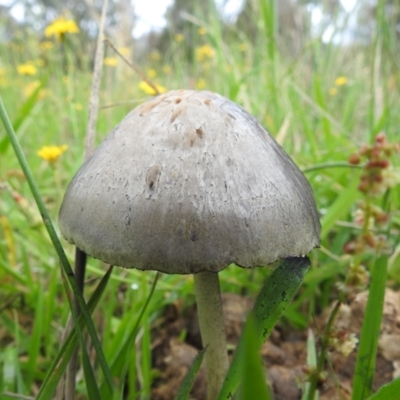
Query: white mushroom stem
(211, 319)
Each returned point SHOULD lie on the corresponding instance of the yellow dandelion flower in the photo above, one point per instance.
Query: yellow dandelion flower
(332, 91)
(179, 37)
(391, 82)
(44, 93)
(51, 153)
(155, 55)
(167, 69)
(202, 31)
(204, 52)
(3, 79)
(149, 90)
(78, 106)
(243, 46)
(46, 45)
(17, 47)
(30, 88)
(59, 27)
(151, 73)
(124, 51)
(340, 81)
(27, 69)
(200, 84)
(269, 122)
(110, 61)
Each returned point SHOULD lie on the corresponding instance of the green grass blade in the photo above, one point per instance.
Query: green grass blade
(330, 165)
(366, 356)
(13, 273)
(320, 100)
(340, 206)
(119, 364)
(311, 362)
(276, 294)
(186, 386)
(146, 357)
(61, 361)
(56, 243)
(90, 380)
(23, 113)
(390, 391)
(253, 384)
(9, 372)
(35, 342)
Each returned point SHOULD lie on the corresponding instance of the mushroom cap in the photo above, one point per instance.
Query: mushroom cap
(190, 182)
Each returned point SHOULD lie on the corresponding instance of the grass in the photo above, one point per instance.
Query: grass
(290, 95)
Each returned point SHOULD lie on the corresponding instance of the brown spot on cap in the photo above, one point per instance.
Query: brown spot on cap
(200, 133)
(175, 114)
(152, 177)
(147, 107)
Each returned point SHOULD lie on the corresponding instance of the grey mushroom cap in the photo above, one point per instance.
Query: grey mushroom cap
(190, 182)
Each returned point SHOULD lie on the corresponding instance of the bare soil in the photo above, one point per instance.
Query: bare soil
(284, 353)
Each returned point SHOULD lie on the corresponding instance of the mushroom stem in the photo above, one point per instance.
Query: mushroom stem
(211, 319)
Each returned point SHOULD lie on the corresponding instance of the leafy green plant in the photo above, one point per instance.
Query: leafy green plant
(277, 292)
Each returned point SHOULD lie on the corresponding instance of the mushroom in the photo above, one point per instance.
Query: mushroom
(189, 183)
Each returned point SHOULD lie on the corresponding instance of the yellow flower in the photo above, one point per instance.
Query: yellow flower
(332, 91)
(179, 37)
(78, 106)
(204, 52)
(155, 55)
(149, 90)
(59, 27)
(30, 88)
(110, 61)
(27, 69)
(124, 51)
(269, 122)
(243, 46)
(167, 69)
(200, 84)
(46, 45)
(151, 73)
(45, 93)
(202, 31)
(51, 153)
(3, 79)
(340, 81)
